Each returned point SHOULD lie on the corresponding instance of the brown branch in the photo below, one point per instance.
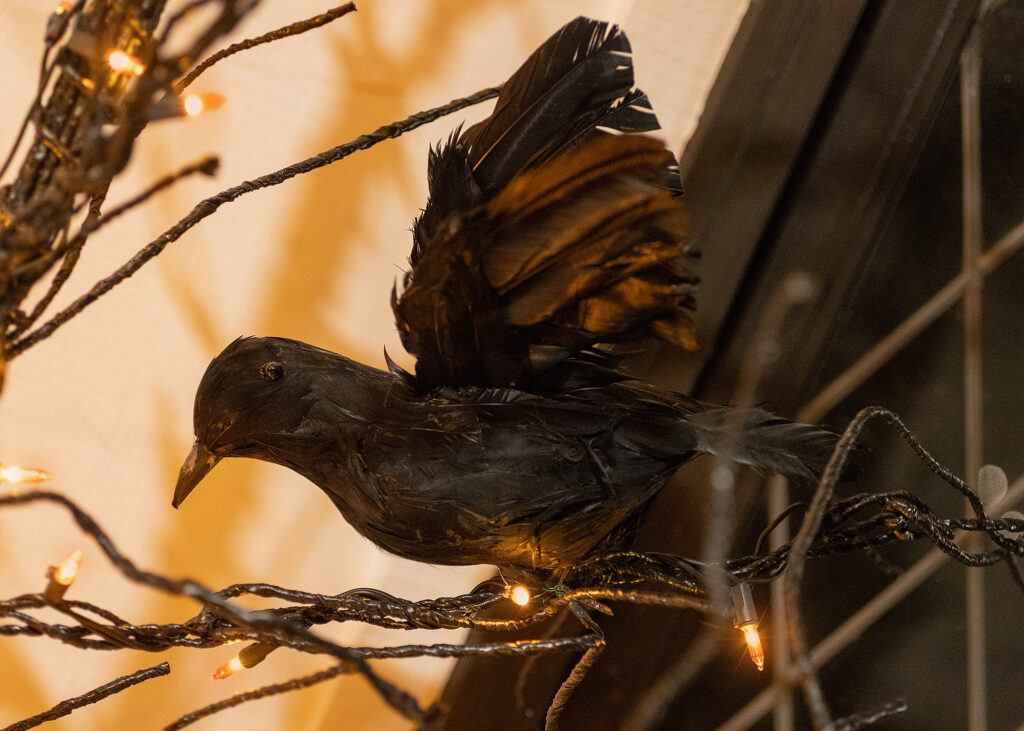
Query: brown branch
(891, 517)
(97, 694)
(860, 720)
(93, 223)
(579, 670)
(801, 545)
(206, 165)
(262, 692)
(292, 29)
(210, 205)
(73, 156)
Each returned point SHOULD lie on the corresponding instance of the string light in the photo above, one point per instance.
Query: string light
(519, 594)
(992, 485)
(63, 576)
(754, 646)
(193, 105)
(232, 666)
(57, 23)
(196, 104)
(248, 657)
(190, 105)
(68, 569)
(14, 474)
(125, 63)
(746, 622)
(254, 654)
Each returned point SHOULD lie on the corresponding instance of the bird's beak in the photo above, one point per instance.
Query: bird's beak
(198, 463)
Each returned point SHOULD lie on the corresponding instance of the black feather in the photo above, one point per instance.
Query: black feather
(545, 234)
(577, 77)
(574, 87)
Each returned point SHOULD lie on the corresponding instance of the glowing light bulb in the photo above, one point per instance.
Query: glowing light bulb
(193, 104)
(745, 614)
(754, 644)
(13, 474)
(62, 8)
(61, 577)
(196, 104)
(520, 595)
(229, 668)
(68, 569)
(125, 63)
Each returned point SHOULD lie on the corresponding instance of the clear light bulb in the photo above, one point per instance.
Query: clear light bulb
(13, 474)
(229, 668)
(745, 616)
(520, 595)
(754, 644)
(68, 569)
(125, 63)
(196, 104)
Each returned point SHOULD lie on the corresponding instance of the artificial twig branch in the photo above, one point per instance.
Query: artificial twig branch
(94, 222)
(251, 695)
(210, 205)
(579, 670)
(856, 523)
(97, 694)
(86, 121)
(940, 533)
(292, 29)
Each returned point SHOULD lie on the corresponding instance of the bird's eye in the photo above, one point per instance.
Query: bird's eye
(271, 371)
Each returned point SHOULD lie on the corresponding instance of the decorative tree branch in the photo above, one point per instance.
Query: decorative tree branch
(860, 720)
(856, 523)
(287, 31)
(95, 695)
(210, 205)
(74, 157)
(264, 692)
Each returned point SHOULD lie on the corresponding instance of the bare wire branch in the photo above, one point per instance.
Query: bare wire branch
(939, 533)
(860, 720)
(206, 165)
(292, 29)
(86, 122)
(579, 670)
(210, 205)
(859, 522)
(251, 695)
(64, 708)
(94, 222)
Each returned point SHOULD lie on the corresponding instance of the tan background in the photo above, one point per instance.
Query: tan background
(106, 404)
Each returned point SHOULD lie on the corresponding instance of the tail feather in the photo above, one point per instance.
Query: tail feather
(765, 442)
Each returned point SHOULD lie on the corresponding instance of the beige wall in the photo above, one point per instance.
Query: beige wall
(106, 404)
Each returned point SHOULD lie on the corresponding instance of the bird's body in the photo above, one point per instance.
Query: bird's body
(470, 474)
(462, 475)
(517, 442)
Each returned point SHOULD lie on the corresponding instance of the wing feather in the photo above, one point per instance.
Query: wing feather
(551, 230)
